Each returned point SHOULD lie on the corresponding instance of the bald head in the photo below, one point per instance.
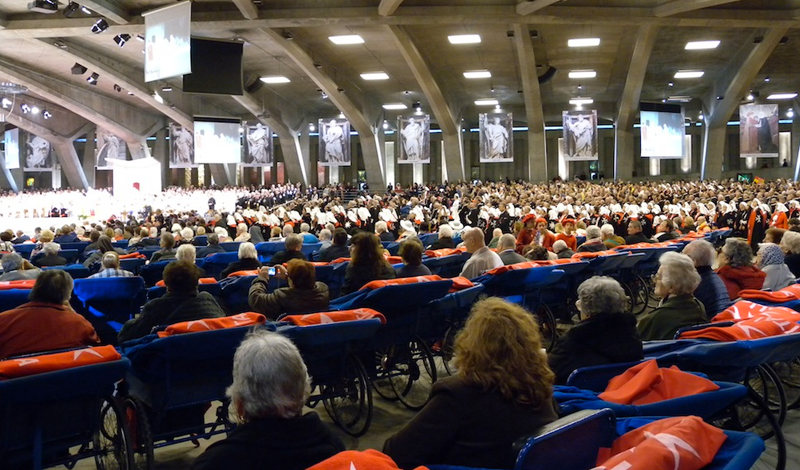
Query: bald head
(473, 240)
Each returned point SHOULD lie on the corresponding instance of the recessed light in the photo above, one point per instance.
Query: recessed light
(478, 74)
(275, 79)
(486, 103)
(464, 39)
(680, 98)
(35, 110)
(375, 76)
(582, 74)
(781, 96)
(395, 106)
(581, 101)
(689, 74)
(699, 45)
(347, 39)
(583, 42)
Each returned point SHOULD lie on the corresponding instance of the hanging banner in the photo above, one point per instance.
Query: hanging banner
(38, 151)
(758, 131)
(495, 137)
(580, 135)
(259, 146)
(334, 142)
(12, 149)
(181, 147)
(109, 147)
(414, 139)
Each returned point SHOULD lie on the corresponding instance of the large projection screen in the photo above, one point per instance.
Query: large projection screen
(167, 42)
(217, 140)
(663, 130)
(12, 149)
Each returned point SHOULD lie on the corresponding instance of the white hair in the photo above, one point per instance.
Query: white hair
(601, 294)
(701, 251)
(790, 243)
(678, 274)
(506, 241)
(269, 378)
(51, 248)
(445, 231)
(186, 252)
(247, 250)
(593, 231)
(559, 246)
(607, 229)
(187, 233)
(380, 227)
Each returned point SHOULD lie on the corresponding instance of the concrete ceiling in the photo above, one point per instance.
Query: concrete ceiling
(45, 46)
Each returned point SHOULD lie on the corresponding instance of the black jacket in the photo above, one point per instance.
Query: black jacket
(333, 252)
(604, 338)
(442, 243)
(245, 264)
(209, 250)
(285, 256)
(273, 444)
(637, 238)
(287, 299)
(356, 277)
(170, 309)
(50, 260)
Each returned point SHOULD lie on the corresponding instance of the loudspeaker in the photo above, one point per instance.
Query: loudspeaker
(252, 83)
(548, 74)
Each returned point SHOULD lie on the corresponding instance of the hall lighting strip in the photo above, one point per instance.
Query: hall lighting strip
(347, 39)
(584, 42)
(689, 74)
(582, 74)
(781, 96)
(375, 76)
(478, 74)
(699, 45)
(464, 39)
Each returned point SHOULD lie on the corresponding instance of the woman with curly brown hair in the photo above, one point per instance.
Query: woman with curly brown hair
(367, 263)
(503, 390)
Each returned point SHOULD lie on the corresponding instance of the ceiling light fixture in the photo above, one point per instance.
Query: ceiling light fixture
(782, 96)
(275, 79)
(166, 88)
(700, 45)
(311, 126)
(464, 39)
(6, 103)
(71, 9)
(790, 113)
(766, 79)
(121, 39)
(35, 109)
(140, 37)
(487, 102)
(385, 124)
(25, 108)
(689, 74)
(86, 10)
(375, 76)
(582, 74)
(581, 101)
(99, 26)
(391, 106)
(750, 96)
(478, 74)
(680, 98)
(583, 42)
(117, 88)
(46, 114)
(78, 69)
(347, 39)
(92, 79)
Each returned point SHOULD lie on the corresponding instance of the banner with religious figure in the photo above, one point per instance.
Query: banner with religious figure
(38, 152)
(259, 146)
(414, 139)
(334, 142)
(181, 147)
(758, 131)
(580, 135)
(109, 147)
(496, 143)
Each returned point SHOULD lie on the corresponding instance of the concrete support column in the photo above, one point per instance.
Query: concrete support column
(89, 158)
(70, 165)
(623, 153)
(713, 152)
(161, 153)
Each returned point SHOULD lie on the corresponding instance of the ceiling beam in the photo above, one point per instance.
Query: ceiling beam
(534, 111)
(676, 7)
(3, 21)
(109, 9)
(629, 101)
(388, 7)
(373, 156)
(125, 76)
(448, 121)
(247, 8)
(526, 8)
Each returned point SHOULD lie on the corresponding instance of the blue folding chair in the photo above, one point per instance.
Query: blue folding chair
(157, 291)
(108, 302)
(133, 265)
(79, 246)
(25, 249)
(230, 247)
(44, 418)
(267, 249)
(309, 248)
(13, 298)
(153, 272)
(234, 292)
(77, 271)
(200, 240)
(216, 263)
(447, 266)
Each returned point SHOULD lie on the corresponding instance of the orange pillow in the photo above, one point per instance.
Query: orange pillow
(321, 318)
(26, 366)
(210, 324)
(400, 281)
(133, 255)
(23, 284)
(202, 280)
(742, 310)
(369, 459)
(340, 260)
(461, 283)
(752, 328)
(681, 443)
(246, 272)
(645, 383)
(444, 252)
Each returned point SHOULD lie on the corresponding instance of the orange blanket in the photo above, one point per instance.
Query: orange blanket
(209, 324)
(751, 328)
(24, 367)
(333, 317)
(743, 310)
(369, 459)
(645, 383)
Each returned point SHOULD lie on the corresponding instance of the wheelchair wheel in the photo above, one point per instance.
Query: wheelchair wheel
(774, 456)
(349, 402)
(111, 442)
(415, 372)
(638, 293)
(752, 415)
(789, 374)
(141, 437)
(447, 350)
(384, 363)
(547, 326)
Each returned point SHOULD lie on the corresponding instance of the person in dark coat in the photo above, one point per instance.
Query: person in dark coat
(294, 243)
(304, 295)
(635, 233)
(212, 247)
(167, 251)
(366, 263)
(248, 260)
(411, 252)
(445, 239)
(607, 335)
(270, 387)
(502, 391)
(338, 248)
(181, 303)
(711, 291)
(383, 232)
(50, 257)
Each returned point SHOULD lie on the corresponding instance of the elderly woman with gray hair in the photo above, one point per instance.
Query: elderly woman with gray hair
(607, 334)
(15, 268)
(770, 261)
(711, 292)
(270, 387)
(676, 280)
(737, 268)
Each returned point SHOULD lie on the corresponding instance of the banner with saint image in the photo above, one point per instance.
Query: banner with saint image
(496, 144)
(181, 147)
(580, 135)
(109, 147)
(414, 139)
(758, 131)
(259, 146)
(38, 152)
(334, 142)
